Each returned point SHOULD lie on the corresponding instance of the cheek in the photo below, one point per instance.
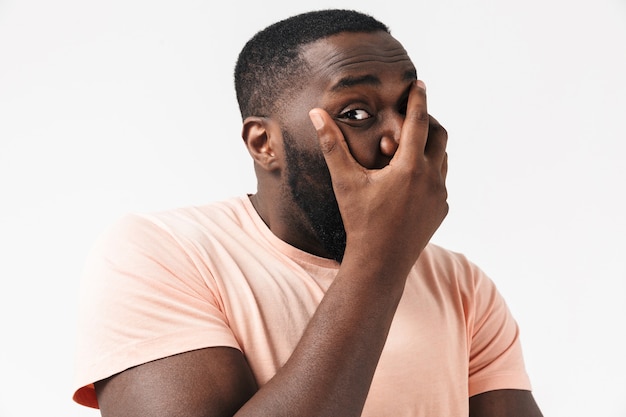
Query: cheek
(367, 150)
(306, 133)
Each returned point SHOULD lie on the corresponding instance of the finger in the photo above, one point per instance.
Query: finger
(333, 144)
(437, 141)
(444, 167)
(414, 135)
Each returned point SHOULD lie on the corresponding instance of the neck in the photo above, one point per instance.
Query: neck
(288, 226)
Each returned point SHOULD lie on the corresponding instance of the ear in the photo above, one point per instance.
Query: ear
(263, 138)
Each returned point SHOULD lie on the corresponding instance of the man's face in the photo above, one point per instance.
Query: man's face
(363, 81)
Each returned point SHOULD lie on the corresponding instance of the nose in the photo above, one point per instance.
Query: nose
(390, 136)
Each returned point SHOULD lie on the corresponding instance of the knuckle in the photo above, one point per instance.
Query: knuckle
(438, 130)
(328, 146)
(419, 116)
(437, 127)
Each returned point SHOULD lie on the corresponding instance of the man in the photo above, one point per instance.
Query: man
(319, 295)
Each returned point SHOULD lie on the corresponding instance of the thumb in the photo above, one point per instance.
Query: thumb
(333, 144)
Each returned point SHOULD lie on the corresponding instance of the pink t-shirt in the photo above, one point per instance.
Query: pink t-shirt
(161, 284)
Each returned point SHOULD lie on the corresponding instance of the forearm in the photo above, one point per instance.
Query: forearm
(331, 369)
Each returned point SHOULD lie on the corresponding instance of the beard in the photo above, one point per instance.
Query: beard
(310, 187)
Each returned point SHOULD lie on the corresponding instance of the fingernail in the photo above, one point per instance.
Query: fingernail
(421, 84)
(316, 119)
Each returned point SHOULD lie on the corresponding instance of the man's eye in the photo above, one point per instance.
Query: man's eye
(357, 114)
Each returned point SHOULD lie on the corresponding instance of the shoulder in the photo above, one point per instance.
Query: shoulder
(177, 225)
(453, 273)
(174, 245)
(188, 220)
(438, 255)
(448, 265)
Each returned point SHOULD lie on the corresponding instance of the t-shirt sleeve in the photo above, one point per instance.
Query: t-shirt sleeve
(142, 298)
(496, 360)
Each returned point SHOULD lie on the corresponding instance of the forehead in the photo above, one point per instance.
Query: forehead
(356, 54)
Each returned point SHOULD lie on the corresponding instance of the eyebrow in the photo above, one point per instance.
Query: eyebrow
(351, 81)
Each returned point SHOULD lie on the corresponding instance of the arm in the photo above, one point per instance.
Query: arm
(506, 402)
(331, 369)
(204, 382)
(498, 381)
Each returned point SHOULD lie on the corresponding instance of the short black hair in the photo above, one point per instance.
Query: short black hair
(270, 65)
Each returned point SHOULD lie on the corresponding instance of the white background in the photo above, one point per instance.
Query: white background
(117, 106)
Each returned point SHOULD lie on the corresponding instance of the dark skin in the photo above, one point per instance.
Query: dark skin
(364, 110)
